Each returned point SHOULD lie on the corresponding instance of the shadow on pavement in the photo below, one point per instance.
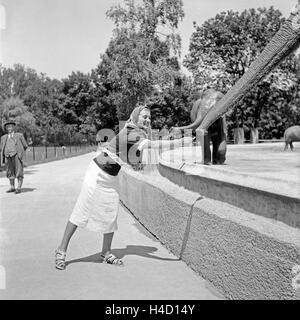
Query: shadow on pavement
(23, 190)
(27, 190)
(30, 171)
(143, 251)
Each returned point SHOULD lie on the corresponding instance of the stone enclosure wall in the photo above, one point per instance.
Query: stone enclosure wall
(244, 255)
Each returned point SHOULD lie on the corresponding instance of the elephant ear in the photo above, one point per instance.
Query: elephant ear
(208, 100)
(201, 107)
(285, 41)
(199, 110)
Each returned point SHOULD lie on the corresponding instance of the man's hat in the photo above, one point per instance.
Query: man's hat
(9, 122)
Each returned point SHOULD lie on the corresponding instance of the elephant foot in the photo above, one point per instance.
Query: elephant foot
(219, 162)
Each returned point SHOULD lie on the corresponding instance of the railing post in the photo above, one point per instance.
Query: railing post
(254, 135)
(239, 135)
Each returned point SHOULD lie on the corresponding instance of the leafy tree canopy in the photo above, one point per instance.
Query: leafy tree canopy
(14, 108)
(138, 57)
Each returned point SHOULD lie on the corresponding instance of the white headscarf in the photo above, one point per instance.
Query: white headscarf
(134, 118)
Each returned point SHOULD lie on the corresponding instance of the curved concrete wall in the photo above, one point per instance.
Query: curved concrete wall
(244, 255)
(274, 205)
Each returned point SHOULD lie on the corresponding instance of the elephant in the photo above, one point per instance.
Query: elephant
(216, 133)
(291, 134)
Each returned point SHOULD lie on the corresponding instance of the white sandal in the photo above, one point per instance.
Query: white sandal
(60, 260)
(112, 259)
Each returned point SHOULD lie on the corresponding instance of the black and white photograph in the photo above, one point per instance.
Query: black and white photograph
(150, 152)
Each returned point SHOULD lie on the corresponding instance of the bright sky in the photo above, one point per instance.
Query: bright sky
(57, 37)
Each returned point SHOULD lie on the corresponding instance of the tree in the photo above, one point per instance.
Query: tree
(102, 113)
(281, 111)
(14, 81)
(138, 57)
(78, 97)
(14, 108)
(223, 48)
(170, 107)
(44, 99)
(40, 95)
(62, 109)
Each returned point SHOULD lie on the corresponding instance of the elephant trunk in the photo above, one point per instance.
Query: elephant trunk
(285, 41)
(193, 125)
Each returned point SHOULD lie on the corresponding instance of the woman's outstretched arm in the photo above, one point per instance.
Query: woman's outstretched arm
(166, 144)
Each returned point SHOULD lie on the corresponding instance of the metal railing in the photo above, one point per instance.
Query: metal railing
(45, 153)
(49, 152)
(248, 141)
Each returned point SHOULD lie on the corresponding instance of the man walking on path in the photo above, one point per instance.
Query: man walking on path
(12, 147)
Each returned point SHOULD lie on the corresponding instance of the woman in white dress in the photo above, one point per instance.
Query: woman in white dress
(98, 202)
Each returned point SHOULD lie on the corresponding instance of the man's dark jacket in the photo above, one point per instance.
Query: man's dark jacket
(20, 143)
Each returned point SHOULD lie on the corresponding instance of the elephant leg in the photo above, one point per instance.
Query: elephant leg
(207, 153)
(219, 150)
(215, 144)
(291, 145)
(222, 148)
(286, 146)
(218, 137)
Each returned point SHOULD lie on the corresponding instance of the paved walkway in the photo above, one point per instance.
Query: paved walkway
(31, 226)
